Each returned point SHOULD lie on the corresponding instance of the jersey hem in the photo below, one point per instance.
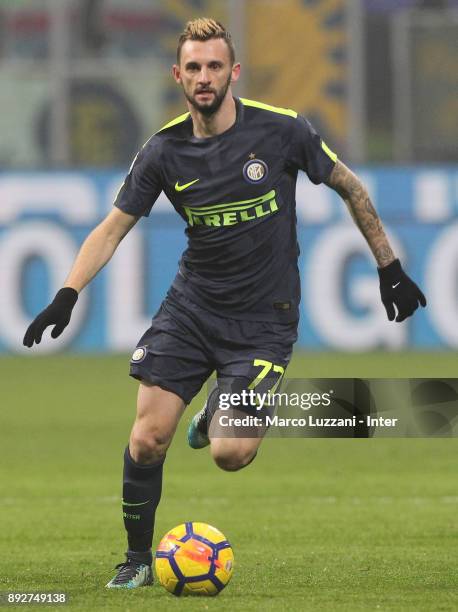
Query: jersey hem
(289, 317)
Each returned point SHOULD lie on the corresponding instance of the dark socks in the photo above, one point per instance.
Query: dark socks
(142, 486)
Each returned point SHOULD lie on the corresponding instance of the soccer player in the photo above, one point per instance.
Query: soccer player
(229, 167)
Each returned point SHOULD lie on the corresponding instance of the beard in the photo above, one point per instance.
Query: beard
(210, 108)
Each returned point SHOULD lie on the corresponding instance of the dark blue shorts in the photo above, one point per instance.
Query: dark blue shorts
(186, 344)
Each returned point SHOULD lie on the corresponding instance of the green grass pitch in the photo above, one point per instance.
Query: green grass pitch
(315, 524)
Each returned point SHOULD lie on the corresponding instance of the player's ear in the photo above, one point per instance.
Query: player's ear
(176, 73)
(235, 73)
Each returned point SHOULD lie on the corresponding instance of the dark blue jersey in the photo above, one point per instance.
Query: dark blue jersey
(236, 193)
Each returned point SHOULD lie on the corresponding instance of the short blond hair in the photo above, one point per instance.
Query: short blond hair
(205, 28)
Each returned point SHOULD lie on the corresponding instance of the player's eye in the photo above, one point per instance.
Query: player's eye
(215, 66)
(192, 67)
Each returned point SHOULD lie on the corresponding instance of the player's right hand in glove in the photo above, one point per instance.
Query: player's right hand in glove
(397, 289)
(58, 313)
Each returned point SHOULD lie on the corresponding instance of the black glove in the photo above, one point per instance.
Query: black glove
(58, 313)
(397, 289)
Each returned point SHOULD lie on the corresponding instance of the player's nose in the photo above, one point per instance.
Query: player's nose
(204, 76)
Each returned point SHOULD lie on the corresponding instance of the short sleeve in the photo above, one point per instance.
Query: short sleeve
(310, 153)
(143, 185)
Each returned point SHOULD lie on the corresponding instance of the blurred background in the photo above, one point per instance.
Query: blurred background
(83, 83)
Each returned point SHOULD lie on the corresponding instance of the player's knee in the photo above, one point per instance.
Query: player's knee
(232, 464)
(231, 459)
(148, 446)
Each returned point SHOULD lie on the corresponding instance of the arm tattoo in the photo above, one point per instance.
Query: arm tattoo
(355, 195)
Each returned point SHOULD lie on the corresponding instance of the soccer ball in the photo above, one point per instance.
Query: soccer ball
(194, 559)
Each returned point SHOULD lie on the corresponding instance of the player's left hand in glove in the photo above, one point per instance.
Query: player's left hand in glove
(58, 313)
(397, 289)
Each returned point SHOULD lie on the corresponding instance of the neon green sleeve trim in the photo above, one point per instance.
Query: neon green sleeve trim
(328, 151)
(175, 121)
(272, 109)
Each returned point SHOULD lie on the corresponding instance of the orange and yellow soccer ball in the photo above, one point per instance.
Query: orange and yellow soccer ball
(194, 559)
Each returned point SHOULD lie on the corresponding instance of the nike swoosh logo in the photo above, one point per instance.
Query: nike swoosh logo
(140, 504)
(394, 286)
(183, 187)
